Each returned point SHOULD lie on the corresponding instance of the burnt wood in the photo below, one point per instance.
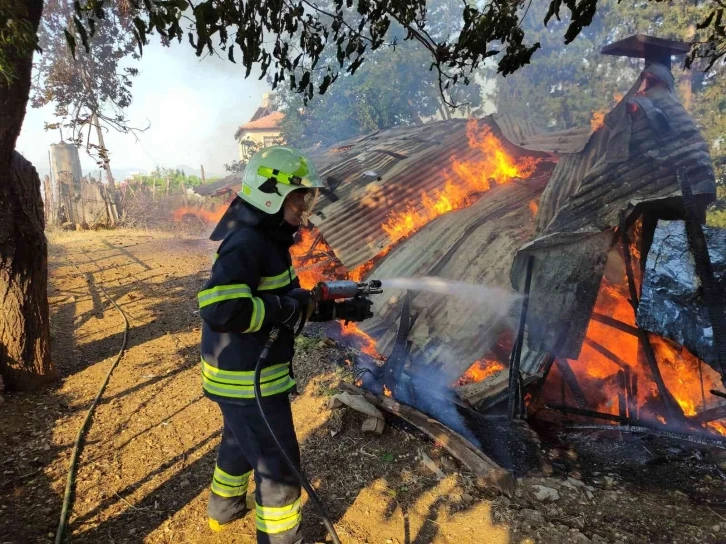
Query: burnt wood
(397, 359)
(515, 407)
(672, 408)
(712, 295)
(568, 377)
(487, 471)
(571, 410)
(614, 323)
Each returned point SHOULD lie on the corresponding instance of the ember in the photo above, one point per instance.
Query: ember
(466, 179)
(533, 207)
(387, 391)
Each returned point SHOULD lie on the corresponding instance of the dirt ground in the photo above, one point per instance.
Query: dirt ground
(149, 455)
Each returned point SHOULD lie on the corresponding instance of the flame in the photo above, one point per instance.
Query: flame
(387, 391)
(533, 207)
(681, 371)
(597, 120)
(681, 374)
(598, 117)
(317, 265)
(717, 426)
(206, 216)
(479, 370)
(351, 335)
(494, 166)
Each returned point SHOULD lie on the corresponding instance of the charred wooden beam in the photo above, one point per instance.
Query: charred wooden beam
(614, 323)
(487, 471)
(539, 385)
(671, 407)
(571, 410)
(605, 352)
(515, 407)
(696, 439)
(622, 407)
(397, 359)
(719, 412)
(712, 295)
(568, 377)
(718, 393)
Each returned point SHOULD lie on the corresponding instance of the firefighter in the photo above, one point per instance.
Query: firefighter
(253, 288)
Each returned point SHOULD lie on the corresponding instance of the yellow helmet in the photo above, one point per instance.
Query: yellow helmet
(275, 172)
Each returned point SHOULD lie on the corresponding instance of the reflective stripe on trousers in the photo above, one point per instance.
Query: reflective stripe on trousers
(247, 445)
(276, 519)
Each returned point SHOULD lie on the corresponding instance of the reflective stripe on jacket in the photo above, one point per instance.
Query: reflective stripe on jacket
(239, 305)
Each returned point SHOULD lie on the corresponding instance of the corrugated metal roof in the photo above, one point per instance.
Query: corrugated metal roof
(514, 129)
(475, 245)
(387, 171)
(562, 142)
(232, 182)
(631, 160)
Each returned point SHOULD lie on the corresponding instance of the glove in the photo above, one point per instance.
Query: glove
(293, 303)
(356, 309)
(304, 299)
(301, 295)
(289, 312)
(323, 311)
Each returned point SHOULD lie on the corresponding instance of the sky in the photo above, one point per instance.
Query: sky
(193, 108)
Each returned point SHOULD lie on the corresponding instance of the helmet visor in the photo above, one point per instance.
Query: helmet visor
(311, 198)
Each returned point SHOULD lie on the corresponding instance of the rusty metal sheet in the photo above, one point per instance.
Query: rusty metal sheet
(567, 271)
(386, 173)
(632, 159)
(473, 245)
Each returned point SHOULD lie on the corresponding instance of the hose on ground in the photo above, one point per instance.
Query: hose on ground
(77, 446)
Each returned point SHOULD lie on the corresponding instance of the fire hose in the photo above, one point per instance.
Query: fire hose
(73, 464)
(323, 292)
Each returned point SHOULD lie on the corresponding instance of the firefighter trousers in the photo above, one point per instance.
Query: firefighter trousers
(248, 447)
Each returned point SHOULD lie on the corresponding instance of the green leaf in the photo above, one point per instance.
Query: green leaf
(387, 457)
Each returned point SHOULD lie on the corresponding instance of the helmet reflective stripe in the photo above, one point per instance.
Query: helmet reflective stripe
(281, 170)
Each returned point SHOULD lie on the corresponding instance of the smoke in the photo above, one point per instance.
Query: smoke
(426, 381)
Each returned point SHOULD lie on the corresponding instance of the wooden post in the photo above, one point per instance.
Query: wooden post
(568, 377)
(622, 407)
(672, 408)
(514, 378)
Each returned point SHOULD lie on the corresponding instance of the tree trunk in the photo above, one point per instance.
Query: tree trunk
(104, 153)
(25, 361)
(24, 327)
(113, 216)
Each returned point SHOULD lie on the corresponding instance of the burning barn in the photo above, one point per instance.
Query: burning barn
(600, 228)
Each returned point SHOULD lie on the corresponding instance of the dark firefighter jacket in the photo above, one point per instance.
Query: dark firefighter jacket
(240, 303)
